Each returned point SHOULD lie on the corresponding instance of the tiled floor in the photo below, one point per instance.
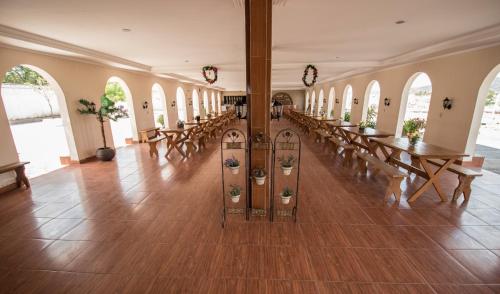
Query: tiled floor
(142, 225)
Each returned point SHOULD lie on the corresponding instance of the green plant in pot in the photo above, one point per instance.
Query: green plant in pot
(259, 174)
(235, 193)
(287, 163)
(233, 165)
(363, 125)
(107, 111)
(286, 195)
(412, 128)
(347, 116)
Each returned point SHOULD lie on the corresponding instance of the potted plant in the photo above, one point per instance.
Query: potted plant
(107, 111)
(362, 125)
(286, 195)
(259, 175)
(287, 163)
(233, 165)
(197, 118)
(235, 193)
(347, 116)
(412, 128)
(161, 120)
(180, 124)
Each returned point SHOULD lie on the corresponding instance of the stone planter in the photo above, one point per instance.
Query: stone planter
(235, 169)
(105, 154)
(235, 199)
(285, 200)
(260, 180)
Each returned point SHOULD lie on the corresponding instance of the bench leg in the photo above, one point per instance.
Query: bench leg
(464, 184)
(394, 188)
(361, 165)
(348, 157)
(152, 149)
(21, 177)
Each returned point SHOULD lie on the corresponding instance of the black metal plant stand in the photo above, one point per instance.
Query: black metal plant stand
(234, 143)
(286, 143)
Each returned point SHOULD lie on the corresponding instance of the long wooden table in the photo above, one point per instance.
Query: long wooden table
(420, 153)
(176, 138)
(361, 138)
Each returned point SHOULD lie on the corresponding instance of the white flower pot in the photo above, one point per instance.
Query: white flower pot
(286, 170)
(235, 169)
(260, 181)
(235, 199)
(285, 200)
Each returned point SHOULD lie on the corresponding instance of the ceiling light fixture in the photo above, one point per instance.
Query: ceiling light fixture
(126, 30)
(400, 22)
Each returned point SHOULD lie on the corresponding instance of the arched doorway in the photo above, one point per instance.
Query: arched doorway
(306, 105)
(206, 108)
(181, 104)
(371, 102)
(159, 109)
(331, 99)
(416, 100)
(196, 103)
(484, 135)
(320, 102)
(347, 103)
(313, 102)
(219, 105)
(213, 102)
(122, 130)
(38, 116)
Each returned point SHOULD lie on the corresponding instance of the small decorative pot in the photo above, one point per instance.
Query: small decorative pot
(287, 170)
(285, 200)
(235, 199)
(413, 138)
(260, 180)
(235, 169)
(361, 129)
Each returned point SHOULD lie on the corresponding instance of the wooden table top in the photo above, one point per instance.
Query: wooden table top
(320, 118)
(368, 132)
(421, 149)
(341, 123)
(177, 130)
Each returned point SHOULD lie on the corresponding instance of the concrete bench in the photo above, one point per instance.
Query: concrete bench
(395, 175)
(465, 178)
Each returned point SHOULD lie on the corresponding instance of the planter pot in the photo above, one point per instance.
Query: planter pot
(105, 154)
(235, 199)
(286, 170)
(285, 200)
(413, 140)
(235, 170)
(260, 181)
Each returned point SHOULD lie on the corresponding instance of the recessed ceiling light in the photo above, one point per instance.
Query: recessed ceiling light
(126, 30)
(400, 22)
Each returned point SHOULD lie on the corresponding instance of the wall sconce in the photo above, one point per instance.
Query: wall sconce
(173, 104)
(145, 105)
(337, 101)
(447, 103)
(356, 100)
(190, 102)
(387, 101)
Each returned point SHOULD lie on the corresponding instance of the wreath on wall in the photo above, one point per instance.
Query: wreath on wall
(310, 67)
(209, 73)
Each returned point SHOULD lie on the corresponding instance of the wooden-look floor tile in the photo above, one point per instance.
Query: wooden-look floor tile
(451, 237)
(484, 264)
(466, 289)
(488, 236)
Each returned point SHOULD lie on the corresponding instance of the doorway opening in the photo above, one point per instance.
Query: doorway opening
(117, 90)
(371, 102)
(159, 107)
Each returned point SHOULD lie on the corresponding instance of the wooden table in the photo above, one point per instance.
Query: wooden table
(176, 138)
(420, 153)
(144, 134)
(336, 125)
(360, 138)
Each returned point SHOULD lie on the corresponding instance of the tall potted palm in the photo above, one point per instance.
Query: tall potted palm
(107, 111)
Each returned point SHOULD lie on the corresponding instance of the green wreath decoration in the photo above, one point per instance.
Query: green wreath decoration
(306, 73)
(207, 69)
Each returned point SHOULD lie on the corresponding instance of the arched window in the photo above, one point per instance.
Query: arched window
(331, 100)
(219, 105)
(206, 107)
(214, 109)
(320, 102)
(36, 109)
(371, 102)
(181, 104)
(347, 103)
(306, 105)
(159, 109)
(313, 101)
(416, 99)
(196, 103)
(123, 129)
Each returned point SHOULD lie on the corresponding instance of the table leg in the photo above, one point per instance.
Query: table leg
(433, 179)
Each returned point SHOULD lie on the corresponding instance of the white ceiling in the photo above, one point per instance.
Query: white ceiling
(340, 37)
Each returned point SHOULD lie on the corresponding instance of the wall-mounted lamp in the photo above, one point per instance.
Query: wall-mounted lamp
(337, 101)
(387, 101)
(356, 100)
(190, 102)
(173, 104)
(447, 103)
(145, 105)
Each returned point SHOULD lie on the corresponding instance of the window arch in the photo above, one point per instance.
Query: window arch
(313, 101)
(371, 102)
(196, 103)
(306, 105)
(331, 100)
(213, 102)
(219, 105)
(347, 103)
(206, 108)
(181, 104)
(416, 99)
(321, 97)
(159, 107)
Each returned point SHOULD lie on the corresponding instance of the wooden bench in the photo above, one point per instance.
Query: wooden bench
(321, 135)
(348, 149)
(19, 168)
(396, 176)
(145, 134)
(465, 178)
(153, 150)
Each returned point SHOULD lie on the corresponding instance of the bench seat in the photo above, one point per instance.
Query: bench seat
(19, 168)
(153, 150)
(347, 148)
